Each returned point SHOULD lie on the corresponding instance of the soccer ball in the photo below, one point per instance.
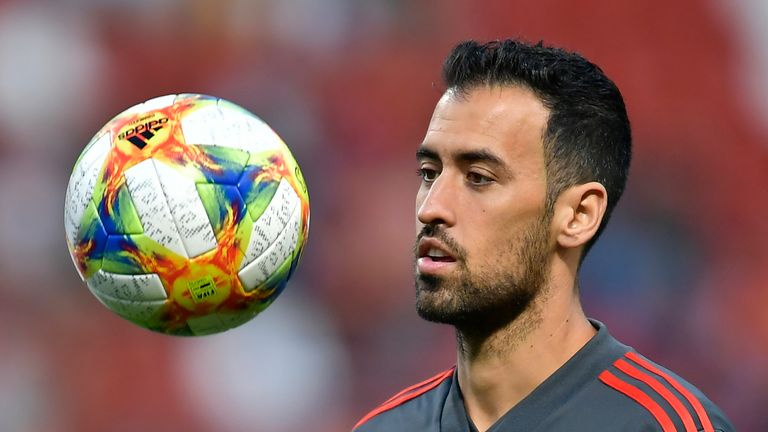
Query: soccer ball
(186, 215)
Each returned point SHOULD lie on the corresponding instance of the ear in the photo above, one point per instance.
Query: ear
(578, 212)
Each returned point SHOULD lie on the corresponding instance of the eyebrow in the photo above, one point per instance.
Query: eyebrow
(481, 155)
(469, 156)
(425, 153)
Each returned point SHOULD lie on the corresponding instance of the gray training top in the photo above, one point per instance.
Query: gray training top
(605, 386)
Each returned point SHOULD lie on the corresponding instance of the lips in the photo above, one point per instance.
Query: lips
(434, 257)
(434, 250)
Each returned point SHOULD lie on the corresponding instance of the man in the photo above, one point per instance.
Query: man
(524, 159)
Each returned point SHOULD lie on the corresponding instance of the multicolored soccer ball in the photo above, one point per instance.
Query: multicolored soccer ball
(186, 214)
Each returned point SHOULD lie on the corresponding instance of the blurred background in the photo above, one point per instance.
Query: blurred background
(681, 273)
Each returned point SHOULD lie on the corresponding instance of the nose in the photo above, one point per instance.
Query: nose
(436, 204)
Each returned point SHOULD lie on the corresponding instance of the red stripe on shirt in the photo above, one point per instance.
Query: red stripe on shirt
(438, 377)
(673, 400)
(693, 400)
(404, 396)
(640, 397)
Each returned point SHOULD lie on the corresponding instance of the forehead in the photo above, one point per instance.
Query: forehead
(506, 121)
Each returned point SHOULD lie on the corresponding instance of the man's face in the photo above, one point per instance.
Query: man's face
(483, 240)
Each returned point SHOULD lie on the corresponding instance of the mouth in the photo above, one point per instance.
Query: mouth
(432, 256)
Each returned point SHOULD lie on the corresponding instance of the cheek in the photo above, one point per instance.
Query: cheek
(483, 242)
(493, 236)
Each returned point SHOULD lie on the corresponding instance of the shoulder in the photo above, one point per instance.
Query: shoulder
(641, 392)
(409, 407)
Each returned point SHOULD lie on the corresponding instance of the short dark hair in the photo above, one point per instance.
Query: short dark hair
(587, 136)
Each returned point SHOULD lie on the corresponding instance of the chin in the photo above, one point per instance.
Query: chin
(435, 304)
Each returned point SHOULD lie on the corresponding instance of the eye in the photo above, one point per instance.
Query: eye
(427, 174)
(477, 179)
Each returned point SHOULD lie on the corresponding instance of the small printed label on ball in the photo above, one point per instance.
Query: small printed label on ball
(141, 131)
(201, 289)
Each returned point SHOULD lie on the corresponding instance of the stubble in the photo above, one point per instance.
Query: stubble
(479, 301)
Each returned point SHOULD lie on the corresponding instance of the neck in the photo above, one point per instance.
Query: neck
(498, 369)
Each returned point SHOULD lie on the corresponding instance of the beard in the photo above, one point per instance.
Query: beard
(485, 299)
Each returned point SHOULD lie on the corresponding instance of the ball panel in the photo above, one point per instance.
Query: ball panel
(196, 98)
(256, 134)
(259, 183)
(271, 223)
(226, 164)
(120, 217)
(231, 319)
(188, 212)
(205, 325)
(281, 250)
(242, 239)
(223, 124)
(143, 287)
(102, 139)
(89, 245)
(151, 105)
(198, 124)
(271, 288)
(153, 209)
(143, 313)
(263, 171)
(242, 130)
(202, 285)
(138, 254)
(221, 203)
(81, 184)
(221, 321)
(122, 254)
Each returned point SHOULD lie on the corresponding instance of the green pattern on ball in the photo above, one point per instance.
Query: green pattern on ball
(124, 215)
